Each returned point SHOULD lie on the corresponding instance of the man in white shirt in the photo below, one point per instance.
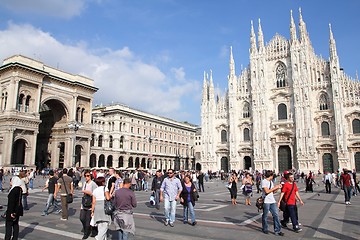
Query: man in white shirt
(327, 181)
(270, 204)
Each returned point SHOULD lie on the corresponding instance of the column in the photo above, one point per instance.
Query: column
(9, 139)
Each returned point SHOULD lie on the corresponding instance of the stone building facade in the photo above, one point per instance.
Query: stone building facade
(38, 102)
(124, 137)
(47, 120)
(288, 109)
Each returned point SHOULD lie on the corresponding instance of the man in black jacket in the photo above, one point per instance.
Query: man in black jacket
(155, 187)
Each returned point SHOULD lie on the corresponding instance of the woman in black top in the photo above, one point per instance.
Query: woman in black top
(188, 196)
(14, 210)
(233, 189)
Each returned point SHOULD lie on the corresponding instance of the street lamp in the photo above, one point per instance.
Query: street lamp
(74, 126)
(150, 139)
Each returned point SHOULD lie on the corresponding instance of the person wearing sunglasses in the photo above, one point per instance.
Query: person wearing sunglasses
(85, 210)
(169, 193)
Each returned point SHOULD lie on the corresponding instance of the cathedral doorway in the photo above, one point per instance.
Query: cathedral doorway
(328, 163)
(93, 160)
(18, 156)
(247, 162)
(357, 161)
(284, 158)
(225, 164)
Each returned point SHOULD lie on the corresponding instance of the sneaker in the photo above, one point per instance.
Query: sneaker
(63, 219)
(279, 234)
(194, 223)
(185, 222)
(297, 230)
(166, 223)
(299, 223)
(346, 203)
(349, 203)
(171, 224)
(266, 232)
(44, 214)
(58, 211)
(283, 224)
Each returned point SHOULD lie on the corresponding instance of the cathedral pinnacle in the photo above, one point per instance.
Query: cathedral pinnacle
(302, 28)
(260, 36)
(333, 52)
(252, 39)
(232, 63)
(293, 36)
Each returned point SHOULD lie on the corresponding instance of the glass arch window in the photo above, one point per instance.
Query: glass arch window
(246, 134)
(282, 111)
(100, 140)
(281, 75)
(356, 126)
(246, 110)
(325, 129)
(323, 102)
(223, 136)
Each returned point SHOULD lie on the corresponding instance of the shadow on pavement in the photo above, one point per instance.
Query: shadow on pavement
(27, 230)
(347, 221)
(331, 233)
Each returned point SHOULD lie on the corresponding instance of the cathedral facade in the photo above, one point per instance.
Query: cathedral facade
(289, 109)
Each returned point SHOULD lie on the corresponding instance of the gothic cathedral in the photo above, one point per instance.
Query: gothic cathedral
(289, 109)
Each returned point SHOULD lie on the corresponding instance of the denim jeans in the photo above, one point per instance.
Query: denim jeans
(190, 208)
(157, 198)
(24, 202)
(1, 185)
(170, 210)
(51, 201)
(123, 235)
(273, 208)
(31, 183)
(347, 190)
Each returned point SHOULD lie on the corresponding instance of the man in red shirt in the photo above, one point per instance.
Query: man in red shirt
(289, 193)
(346, 184)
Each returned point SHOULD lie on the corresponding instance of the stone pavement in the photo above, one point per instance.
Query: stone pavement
(324, 216)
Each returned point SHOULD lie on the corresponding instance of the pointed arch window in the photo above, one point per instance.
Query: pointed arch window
(323, 102)
(325, 129)
(246, 110)
(281, 75)
(223, 136)
(356, 126)
(246, 134)
(282, 111)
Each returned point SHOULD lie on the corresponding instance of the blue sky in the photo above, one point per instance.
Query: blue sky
(151, 54)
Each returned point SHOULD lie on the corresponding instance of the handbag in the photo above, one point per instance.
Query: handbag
(109, 207)
(86, 200)
(229, 185)
(69, 196)
(283, 203)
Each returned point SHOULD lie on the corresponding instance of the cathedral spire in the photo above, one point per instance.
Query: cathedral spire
(302, 28)
(333, 52)
(260, 36)
(293, 36)
(232, 63)
(205, 96)
(252, 39)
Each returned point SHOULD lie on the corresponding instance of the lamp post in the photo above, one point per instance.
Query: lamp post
(150, 139)
(74, 126)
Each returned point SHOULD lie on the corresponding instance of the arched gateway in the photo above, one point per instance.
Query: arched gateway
(41, 105)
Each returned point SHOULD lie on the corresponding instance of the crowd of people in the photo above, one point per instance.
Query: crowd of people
(115, 189)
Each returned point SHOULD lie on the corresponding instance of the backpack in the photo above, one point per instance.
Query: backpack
(259, 203)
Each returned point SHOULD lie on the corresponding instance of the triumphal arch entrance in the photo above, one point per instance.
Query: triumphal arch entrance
(45, 115)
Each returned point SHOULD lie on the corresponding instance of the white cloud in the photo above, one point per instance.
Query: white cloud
(56, 8)
(119, 74)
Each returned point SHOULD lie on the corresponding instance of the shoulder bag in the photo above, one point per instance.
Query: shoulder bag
(109, 207)
(69, 196)
(86, 200)
(283, 203)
